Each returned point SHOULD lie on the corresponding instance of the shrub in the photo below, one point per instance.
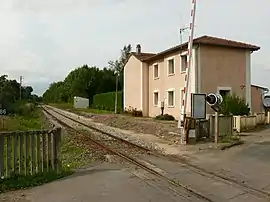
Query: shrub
(234, 105)
(165, 117)
(21, 108)
(133, 112)
(106, 101)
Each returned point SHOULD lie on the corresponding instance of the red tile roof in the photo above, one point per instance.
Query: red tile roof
(206, 40)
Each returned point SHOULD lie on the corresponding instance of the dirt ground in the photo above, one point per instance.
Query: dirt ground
(164, 129)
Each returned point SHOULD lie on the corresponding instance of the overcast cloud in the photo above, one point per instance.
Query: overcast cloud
(43, 40)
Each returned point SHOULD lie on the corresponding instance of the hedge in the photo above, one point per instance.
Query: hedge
(105, 101)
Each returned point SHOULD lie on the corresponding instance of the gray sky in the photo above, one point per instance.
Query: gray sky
(43, 40)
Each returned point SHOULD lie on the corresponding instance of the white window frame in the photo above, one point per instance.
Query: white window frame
(154, 104)
(181, 97)
(168, 69)
(171, 90)
(181, 62)
(154, 71)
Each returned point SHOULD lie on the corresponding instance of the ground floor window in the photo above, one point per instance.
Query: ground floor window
(171, 98)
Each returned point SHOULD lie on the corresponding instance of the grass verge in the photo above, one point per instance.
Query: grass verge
(69, 106)
(229, 138)
(31, 121)
(34, 120)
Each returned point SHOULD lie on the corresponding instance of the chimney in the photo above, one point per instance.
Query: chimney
(138, 49)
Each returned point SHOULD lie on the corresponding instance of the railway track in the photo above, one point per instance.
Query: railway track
(216, 176)
(128, 158)
(184, 163)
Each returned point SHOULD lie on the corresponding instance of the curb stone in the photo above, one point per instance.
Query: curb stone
(229, 145)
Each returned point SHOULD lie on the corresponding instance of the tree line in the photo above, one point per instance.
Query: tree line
(11, 92)
(88, 81)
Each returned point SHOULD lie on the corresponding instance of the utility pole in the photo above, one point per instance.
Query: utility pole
(21, 78)
(116, 92)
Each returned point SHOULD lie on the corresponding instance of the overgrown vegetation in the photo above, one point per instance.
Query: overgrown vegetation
(30, 121)
(106, 101)
(229, 138)
(165, 117)
(133, 112)
(88, 81)
(234, 105)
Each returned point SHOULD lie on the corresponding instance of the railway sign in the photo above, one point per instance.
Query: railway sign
(198, 105)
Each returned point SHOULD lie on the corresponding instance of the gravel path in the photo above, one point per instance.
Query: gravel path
(163, 129)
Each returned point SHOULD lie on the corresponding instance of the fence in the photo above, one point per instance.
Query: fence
(225, 125)
(29, 152)
(244, 123)
(206, 128)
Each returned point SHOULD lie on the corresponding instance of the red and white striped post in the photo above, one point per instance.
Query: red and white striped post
(187, 76)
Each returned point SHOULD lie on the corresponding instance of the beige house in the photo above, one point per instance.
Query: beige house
(218, 65)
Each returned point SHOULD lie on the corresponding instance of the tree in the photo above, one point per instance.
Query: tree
(84, 81)
(234, 105)
(88, 81)
(10, 93)
(118, 65)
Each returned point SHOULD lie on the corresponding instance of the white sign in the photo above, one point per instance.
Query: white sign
(3, 111)
(198, 106)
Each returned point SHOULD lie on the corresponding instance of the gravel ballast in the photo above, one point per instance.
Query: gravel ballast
(106, 140)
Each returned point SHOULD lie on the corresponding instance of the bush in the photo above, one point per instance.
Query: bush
(22, 108)
(106, 101)
(133, 112)
(234, 105)
(165, 117)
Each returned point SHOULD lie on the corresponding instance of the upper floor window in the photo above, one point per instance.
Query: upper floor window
(171, 69)
(156, 72)
(184, 63)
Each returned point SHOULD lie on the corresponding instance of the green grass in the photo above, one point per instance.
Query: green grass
(95, 111)
(31, 121)
(229, 138)
(34, 120)
(62, 105)
(69, 106)
(73, 154)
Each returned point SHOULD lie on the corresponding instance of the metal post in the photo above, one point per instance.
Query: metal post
(216, 127)
(181, 38)
(181, 31)
(20, 87)
(116, 91)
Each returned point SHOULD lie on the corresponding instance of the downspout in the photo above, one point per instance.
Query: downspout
(197, 69)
